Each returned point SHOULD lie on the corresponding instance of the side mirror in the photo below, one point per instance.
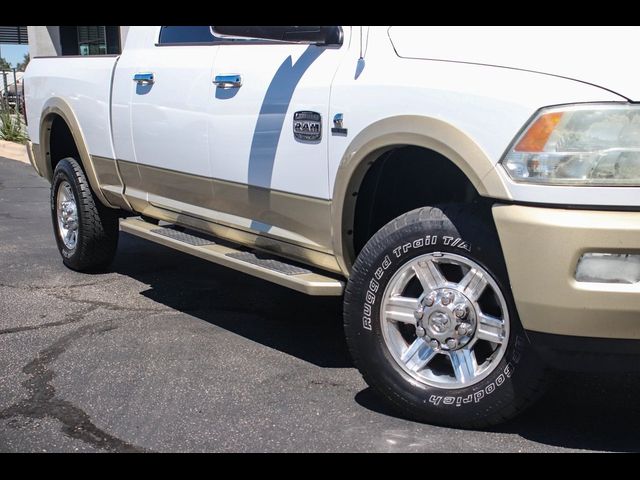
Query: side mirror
(313, 35)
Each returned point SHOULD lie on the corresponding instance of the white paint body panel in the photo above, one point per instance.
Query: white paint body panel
(137, 44)
(181, 125)
(597, 55)
(251, 127)
(488, 104)
(169, 118)
(85, 84)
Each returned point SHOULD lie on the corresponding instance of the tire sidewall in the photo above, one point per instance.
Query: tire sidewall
(383, 256)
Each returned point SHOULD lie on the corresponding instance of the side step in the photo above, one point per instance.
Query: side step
(276, 270)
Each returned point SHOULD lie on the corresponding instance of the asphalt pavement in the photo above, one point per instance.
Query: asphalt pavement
(167, 352)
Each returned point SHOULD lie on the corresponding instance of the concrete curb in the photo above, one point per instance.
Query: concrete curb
(14, 151)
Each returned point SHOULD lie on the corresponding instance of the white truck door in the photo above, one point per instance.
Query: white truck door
(171, 92)
(251, 133)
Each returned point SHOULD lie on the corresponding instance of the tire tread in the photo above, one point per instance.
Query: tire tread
(99, 232)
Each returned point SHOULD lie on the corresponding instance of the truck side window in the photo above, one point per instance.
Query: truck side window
(188, 34)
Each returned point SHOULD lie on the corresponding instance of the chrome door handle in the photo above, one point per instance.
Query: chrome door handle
(143, 78)
(228, 81)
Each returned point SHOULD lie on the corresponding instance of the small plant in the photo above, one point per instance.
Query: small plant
(11, 128)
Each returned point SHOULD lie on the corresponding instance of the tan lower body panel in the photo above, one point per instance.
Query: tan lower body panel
(542, 247)
(105, 169)
(291, 226)
(311, 257)
(309, 283)
(304, 220)
(35, 157)
(109, 180)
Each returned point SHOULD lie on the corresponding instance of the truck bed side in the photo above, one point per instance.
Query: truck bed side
(77, 89)
(84, 85)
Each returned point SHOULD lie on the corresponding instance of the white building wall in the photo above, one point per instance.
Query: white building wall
(44, 41)
(123, 35)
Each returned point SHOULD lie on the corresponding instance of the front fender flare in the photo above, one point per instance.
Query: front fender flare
(404, 130)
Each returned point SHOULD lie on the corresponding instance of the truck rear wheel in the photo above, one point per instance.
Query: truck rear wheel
(86, 231)
(431, 322)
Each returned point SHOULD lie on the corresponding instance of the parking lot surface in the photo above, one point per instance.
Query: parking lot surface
(166, 352)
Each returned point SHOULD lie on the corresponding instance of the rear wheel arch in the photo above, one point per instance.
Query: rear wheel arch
(58, 120)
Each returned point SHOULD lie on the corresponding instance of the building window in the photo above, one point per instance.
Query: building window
(90, 40)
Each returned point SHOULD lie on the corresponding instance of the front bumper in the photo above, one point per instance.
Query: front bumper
(542, 247)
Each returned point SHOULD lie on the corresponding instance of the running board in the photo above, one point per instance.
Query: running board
(274, 269)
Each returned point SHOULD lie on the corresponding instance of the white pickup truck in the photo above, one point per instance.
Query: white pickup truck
(474, 193)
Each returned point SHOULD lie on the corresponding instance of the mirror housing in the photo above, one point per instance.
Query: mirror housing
(312, 35)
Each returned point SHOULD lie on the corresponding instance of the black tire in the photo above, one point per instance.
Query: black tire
(97, 225)
(517, 380)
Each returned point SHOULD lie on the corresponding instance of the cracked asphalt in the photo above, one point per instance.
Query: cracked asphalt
(165, 352)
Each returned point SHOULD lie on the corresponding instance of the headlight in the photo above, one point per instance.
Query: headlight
(580, 144)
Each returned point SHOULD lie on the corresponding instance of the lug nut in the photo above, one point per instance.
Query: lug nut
(464, 328)
(419, 313)
(434, 344)
(429, 300)
(460, 310)
(452, 343)
(420, 332)
(447, 298)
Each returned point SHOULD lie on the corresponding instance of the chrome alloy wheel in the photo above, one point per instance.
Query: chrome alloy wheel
(445, 320)
(67, 214)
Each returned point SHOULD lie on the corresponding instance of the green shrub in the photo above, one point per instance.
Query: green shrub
(11, 128)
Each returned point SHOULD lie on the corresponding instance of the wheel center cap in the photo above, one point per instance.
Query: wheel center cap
(439, 322)
(449, 320)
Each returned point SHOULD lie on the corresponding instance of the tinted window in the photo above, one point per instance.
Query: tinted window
(190, 34)
(89, 40)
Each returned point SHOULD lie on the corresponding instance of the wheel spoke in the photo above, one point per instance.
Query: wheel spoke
(67, 214)
(417, 355)
(490, 328)
(464, 364)
(481, 339)
(400, 309)
(429, 275)
(473, 284)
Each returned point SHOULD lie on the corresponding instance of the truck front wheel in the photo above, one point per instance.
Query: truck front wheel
(86, 231)
(431, 322)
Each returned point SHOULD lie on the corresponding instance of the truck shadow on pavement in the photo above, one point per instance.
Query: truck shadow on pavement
(580, 411)
(309, 328)
(584, 411)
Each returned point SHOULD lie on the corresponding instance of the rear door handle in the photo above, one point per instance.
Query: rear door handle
(228, 81)
(145, 78)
